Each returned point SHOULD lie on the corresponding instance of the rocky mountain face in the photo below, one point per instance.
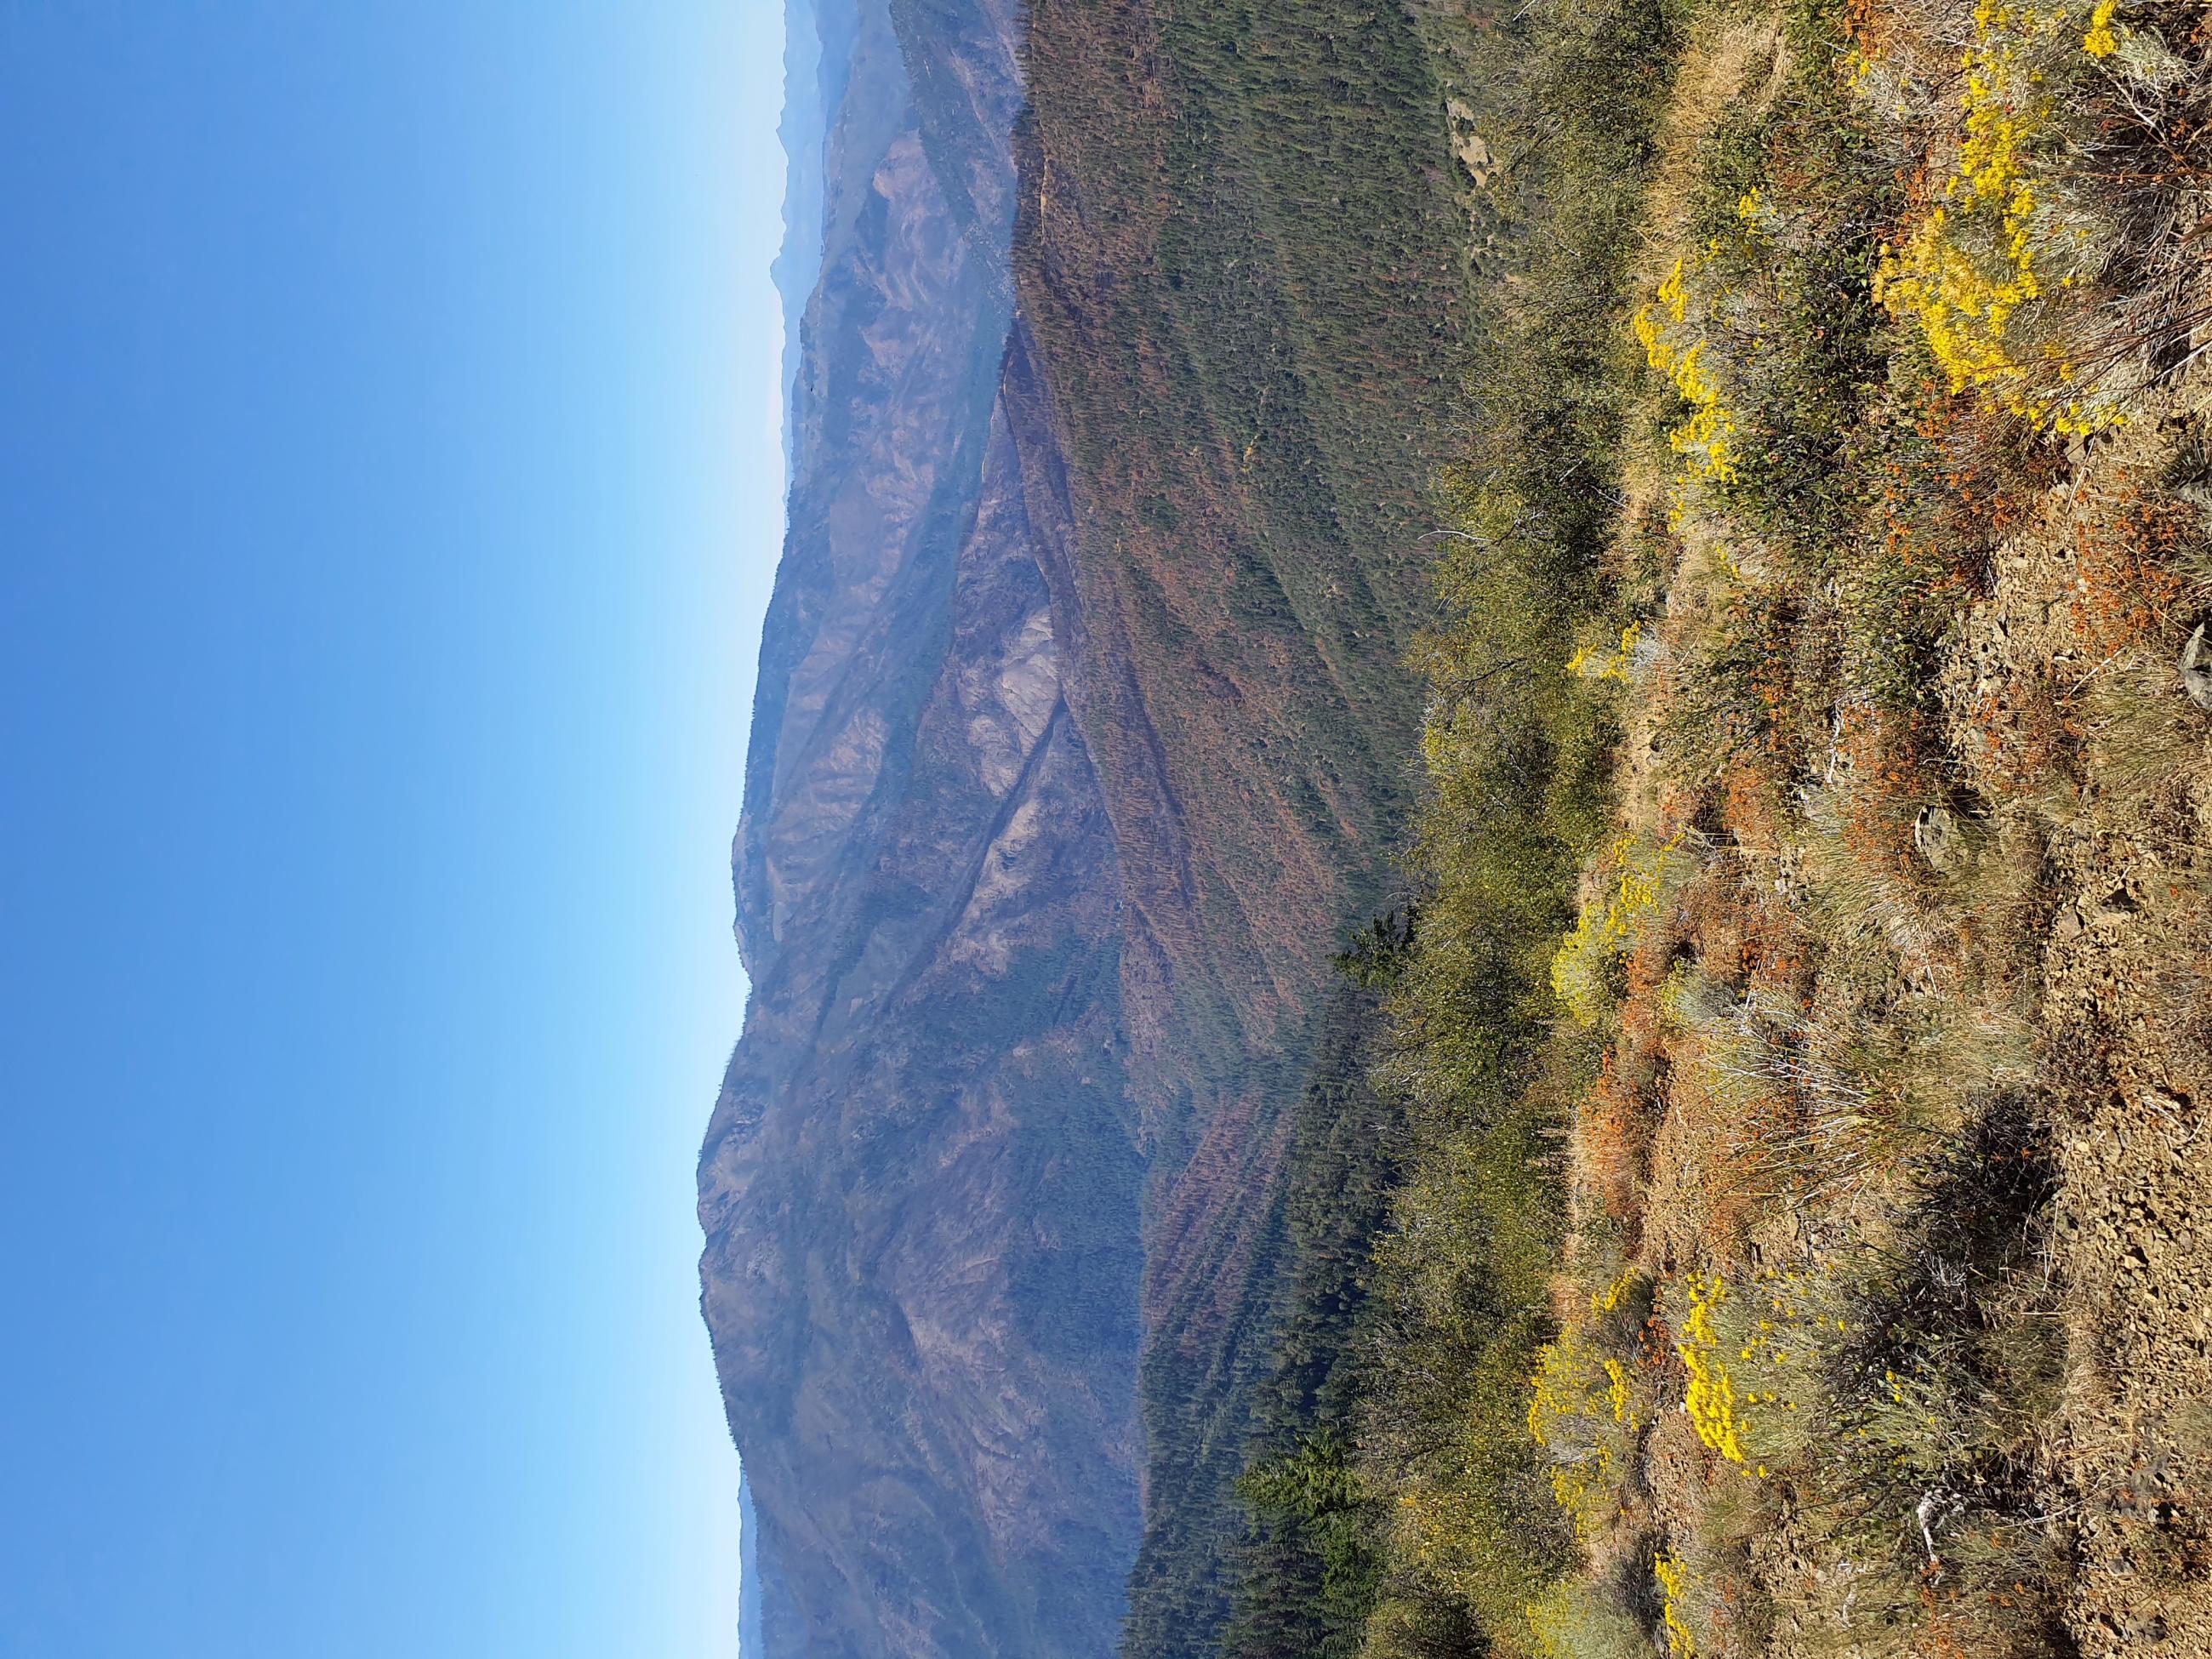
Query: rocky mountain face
(1079, 739)
(919, 1188)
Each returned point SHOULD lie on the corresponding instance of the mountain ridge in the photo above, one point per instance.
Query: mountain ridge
(926, 906)
(1076, 751)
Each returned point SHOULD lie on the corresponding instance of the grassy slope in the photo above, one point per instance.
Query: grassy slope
(1841, 1050)
(1837, 1180)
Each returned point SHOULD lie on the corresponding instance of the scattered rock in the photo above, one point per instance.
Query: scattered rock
(2197, 670)
(1935, 834)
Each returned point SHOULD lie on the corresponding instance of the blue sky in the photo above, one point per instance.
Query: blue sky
(389, 494)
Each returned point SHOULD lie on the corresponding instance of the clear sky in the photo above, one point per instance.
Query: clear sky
(389, 493)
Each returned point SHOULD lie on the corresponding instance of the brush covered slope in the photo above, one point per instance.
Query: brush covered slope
(1795, 1240)
(1080, 741)
(1241, 267)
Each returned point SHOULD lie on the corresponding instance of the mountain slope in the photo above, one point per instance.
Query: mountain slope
(919, 1157)
(1240, 263)
(1079, 745)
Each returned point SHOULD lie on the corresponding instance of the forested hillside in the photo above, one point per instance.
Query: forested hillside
(1241, 269)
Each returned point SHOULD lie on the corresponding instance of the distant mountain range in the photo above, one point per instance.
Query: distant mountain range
(1115, 371)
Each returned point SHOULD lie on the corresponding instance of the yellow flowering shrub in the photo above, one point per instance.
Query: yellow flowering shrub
(1983, 273)
(1712, 1400)
(1582, 1412)
(1674, 1589)
(1594, 663)
(1754, 1354)
(2099, 41)
(1678, 349)
(1601, 932)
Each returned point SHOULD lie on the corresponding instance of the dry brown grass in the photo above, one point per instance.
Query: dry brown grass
(1842, 1050)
